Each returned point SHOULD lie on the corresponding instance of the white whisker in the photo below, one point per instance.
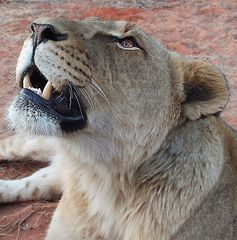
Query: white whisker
(87, 96)
(70, 95)
(114, 110)
(59, 96)
(79, 105)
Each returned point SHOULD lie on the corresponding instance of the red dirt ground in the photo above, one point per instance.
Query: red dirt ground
(202, 29)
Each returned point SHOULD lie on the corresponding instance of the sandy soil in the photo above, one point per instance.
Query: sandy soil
(202, 29)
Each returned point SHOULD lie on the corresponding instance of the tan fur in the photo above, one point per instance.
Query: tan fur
(155, 160)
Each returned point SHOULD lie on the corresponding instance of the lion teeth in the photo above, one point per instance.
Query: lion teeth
(26, 81)
(47, 91)
(36, 90)
(46, 94)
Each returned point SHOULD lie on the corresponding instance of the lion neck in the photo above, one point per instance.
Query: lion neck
(111, 192)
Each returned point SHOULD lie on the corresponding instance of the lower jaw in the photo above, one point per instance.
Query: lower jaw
(28, 116)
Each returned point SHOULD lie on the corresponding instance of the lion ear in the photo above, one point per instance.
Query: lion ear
(205, 89)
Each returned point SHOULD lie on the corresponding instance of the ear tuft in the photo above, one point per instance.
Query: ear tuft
(205, 88)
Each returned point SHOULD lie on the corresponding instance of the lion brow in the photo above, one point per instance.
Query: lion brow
(121, 29)
(129, 26)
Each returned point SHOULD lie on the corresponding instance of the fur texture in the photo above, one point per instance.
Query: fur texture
(155, 160)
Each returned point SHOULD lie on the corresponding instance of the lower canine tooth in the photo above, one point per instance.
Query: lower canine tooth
(26, 81)
(47, 91)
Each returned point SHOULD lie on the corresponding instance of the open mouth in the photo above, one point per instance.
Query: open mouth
(65, 105)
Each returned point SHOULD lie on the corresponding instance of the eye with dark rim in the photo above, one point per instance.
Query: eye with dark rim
(127, 43)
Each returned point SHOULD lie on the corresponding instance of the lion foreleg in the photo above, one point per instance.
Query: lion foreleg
(25, 147)
(43, 184)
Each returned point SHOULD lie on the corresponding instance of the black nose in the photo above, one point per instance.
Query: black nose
(43, 33)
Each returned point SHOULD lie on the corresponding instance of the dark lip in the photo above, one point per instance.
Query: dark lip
(68, 123)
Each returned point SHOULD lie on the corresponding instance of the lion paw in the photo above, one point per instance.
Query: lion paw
(3, 191)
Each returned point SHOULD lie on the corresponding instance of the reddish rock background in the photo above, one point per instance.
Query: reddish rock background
(202, 29)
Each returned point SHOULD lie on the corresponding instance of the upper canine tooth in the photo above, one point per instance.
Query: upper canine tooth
(47, 91)
(26, 81)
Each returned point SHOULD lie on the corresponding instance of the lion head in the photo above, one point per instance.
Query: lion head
(110, 82)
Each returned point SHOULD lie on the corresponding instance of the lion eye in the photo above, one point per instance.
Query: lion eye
(128, 43)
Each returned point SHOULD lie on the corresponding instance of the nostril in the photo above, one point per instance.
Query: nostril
(49, 34)
(45, 32)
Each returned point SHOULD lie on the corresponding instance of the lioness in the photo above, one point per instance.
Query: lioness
(135, 139)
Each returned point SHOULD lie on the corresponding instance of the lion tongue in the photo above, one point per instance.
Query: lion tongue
(47, 91)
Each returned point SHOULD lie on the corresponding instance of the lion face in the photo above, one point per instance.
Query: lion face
(71, 71)
(110, 82)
